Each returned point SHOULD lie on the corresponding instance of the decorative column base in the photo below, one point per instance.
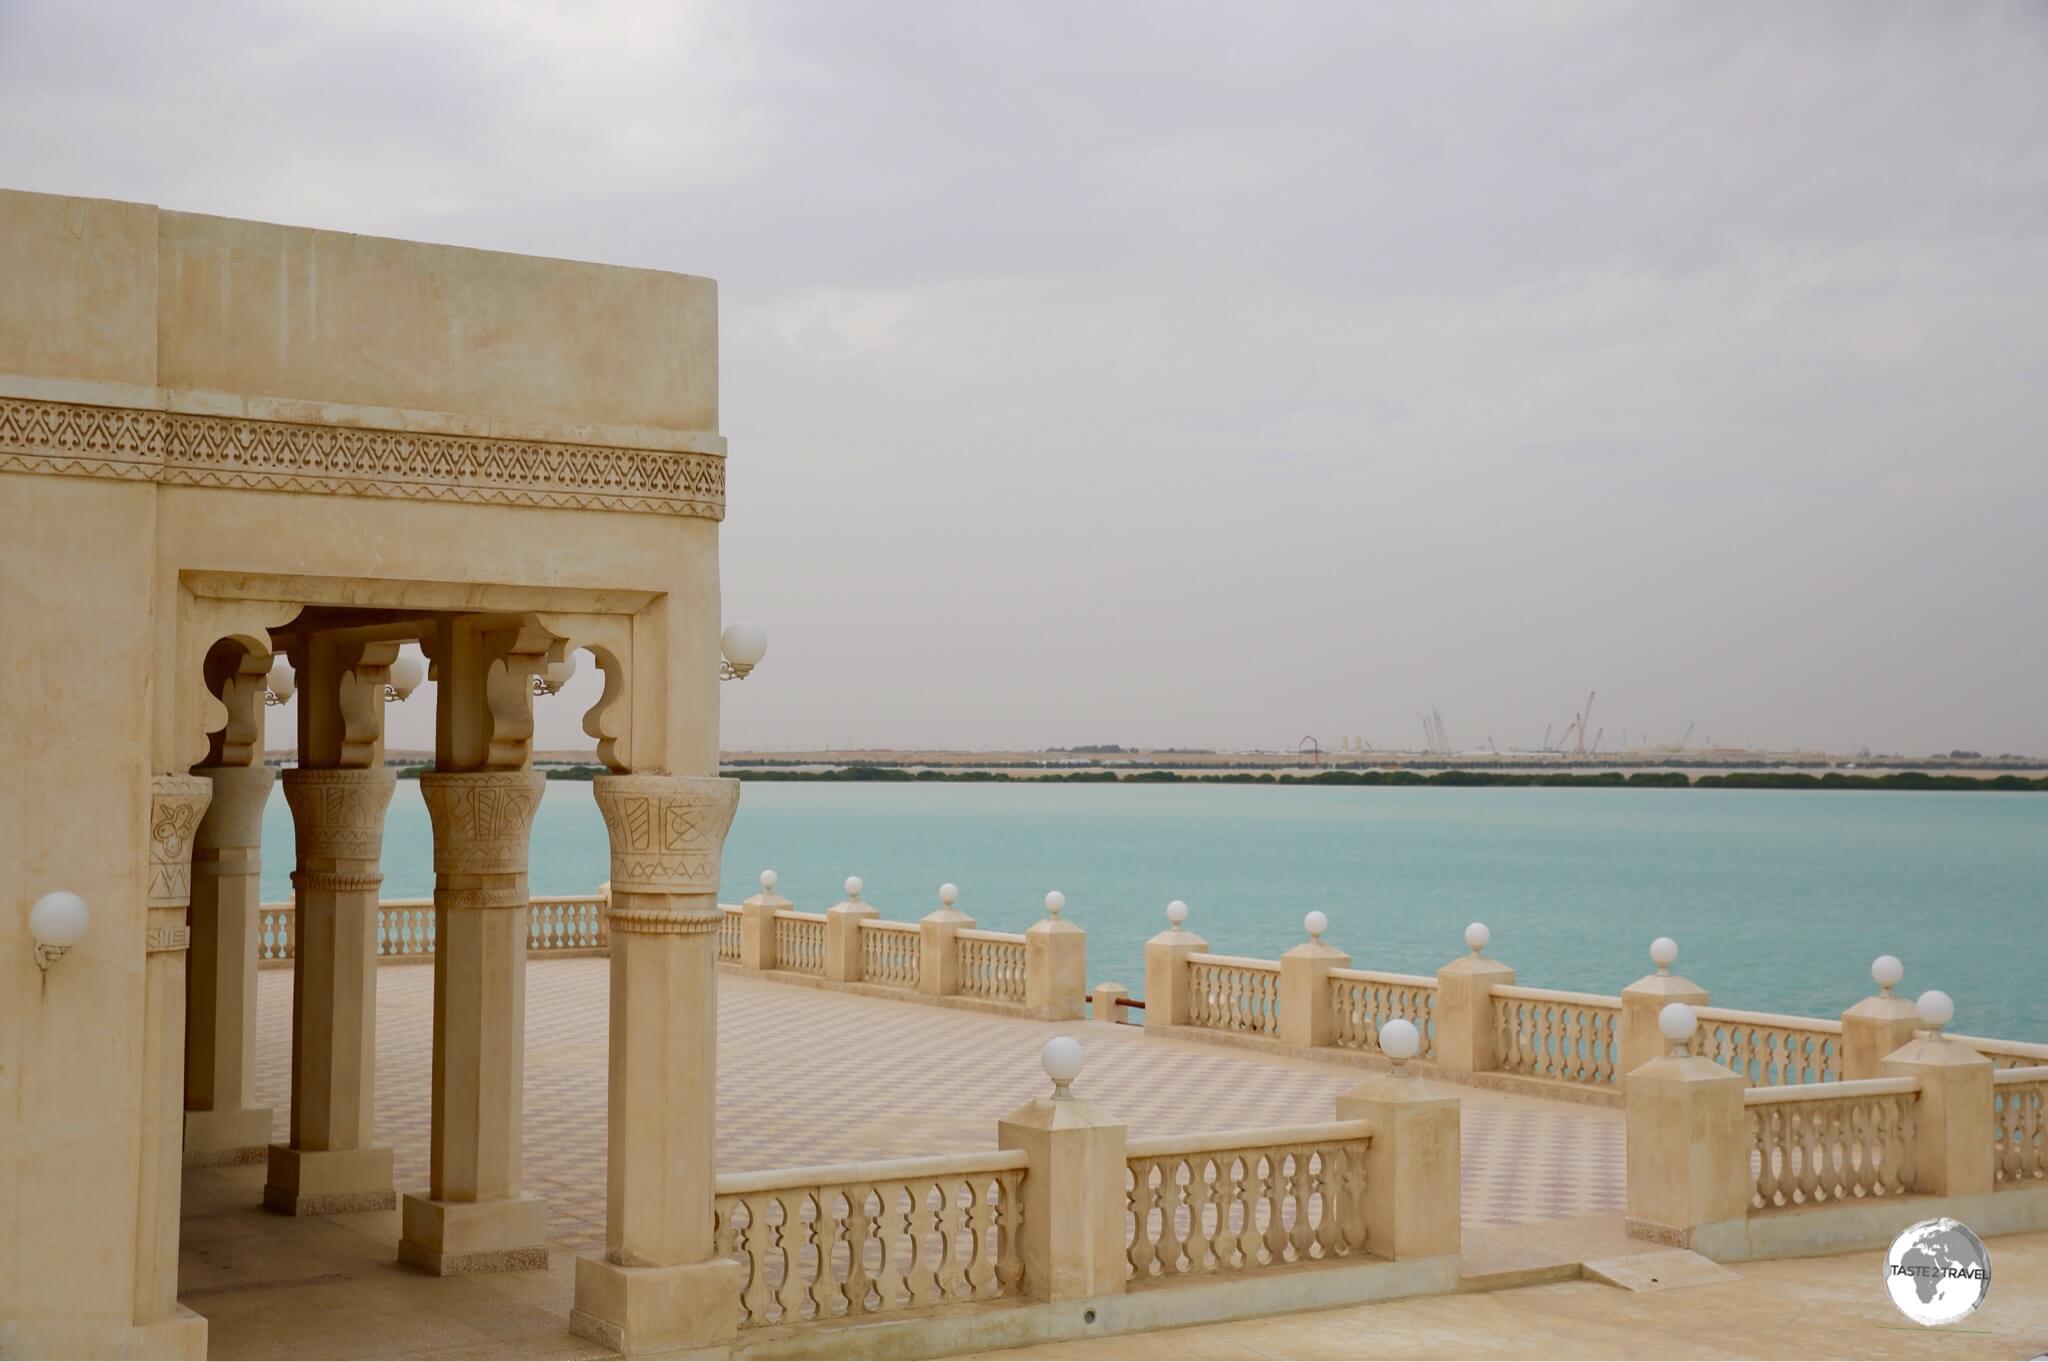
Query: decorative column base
(639, 1310)
(329, 1181)
(216, 1138)
(448, 1238)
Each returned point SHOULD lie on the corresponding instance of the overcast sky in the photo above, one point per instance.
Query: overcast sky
(1215, 375)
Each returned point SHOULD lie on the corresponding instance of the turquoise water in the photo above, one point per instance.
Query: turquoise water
(1778, 899)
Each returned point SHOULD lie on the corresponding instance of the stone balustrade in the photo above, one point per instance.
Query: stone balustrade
(1246, 1199)
(1068, 1226)
(943, 957)
(1736, 1169)
(556, 924)
(1041, 972)
(851, 1240)
(1477, 1025)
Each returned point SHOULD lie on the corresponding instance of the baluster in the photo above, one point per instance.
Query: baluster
(976, 1269)
(1762, 1123)
(1241, 1249)
(1302, 1234)
(760, 1245)
(788, 1231)
(1172, 1204)
(953, 1277)
(930, 1285)
(744, 1242)
(1272, 1190)
(1144, 1200)
(1201, 1197)
(827, 1231)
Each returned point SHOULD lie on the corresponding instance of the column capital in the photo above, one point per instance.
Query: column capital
(667, 832)
(176, 805)
(481, 819)
(234, 819)
(338, 815)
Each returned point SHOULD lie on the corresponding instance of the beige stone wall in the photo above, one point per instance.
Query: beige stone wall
(177, 397)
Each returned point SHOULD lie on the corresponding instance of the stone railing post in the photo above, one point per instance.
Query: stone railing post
(1306, 1017)
(1072, 1240)
(222, 1122)
(1410, 1205)
(1687, 1139)
(657, 1286)
(1877, 1026)
(1166, 969)
(1108, 1002)
(1952, 1121)
(1465, 1039)
(1055, 965)
(1643, 1001)
(842, 934)
(757, 924)
(938, 955)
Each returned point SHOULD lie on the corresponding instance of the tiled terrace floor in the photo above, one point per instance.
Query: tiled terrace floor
(808, 1076)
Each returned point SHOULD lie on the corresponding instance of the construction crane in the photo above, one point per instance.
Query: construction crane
(1584, 719)
(1546, 736)
(1688, 735)
(1597, 737)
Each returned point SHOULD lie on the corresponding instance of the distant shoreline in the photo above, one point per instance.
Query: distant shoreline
(1454, 779)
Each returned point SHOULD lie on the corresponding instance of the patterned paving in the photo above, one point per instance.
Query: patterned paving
(810, 1076)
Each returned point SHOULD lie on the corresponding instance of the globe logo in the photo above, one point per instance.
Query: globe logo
(1937, 1271)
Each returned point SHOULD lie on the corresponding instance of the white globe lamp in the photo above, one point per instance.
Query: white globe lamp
(1663, 954)
(280, 684)
(405, 676)
(744, 645)
(767, 881)
(1678, 1022)
(1400, 1042)
(1937, 1009)
(1176, 914)
(1887, 970)
(58, 921)
(1062, 1061)
(853, 886)
(1054, 902)
(1316, 923)
(1477, 936)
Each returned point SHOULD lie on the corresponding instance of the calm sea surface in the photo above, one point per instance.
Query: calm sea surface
(1778, 899)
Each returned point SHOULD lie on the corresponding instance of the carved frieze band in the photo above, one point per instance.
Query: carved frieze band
(628, 919)
(282, 456)
(176, 804)
(338, 814)
(481, 819)
(666, 831)
(332, 882)
(515, 895)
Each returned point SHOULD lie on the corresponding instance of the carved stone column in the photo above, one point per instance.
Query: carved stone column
(331, 1164)
(475, 1217)
(656, 1286)
(221, 1123)
(176, 804)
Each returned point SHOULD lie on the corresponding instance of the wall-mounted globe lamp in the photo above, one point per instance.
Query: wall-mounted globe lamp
(744, 645)
(557, 675)
(406, 674)
(280, 684)
(57, 921)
